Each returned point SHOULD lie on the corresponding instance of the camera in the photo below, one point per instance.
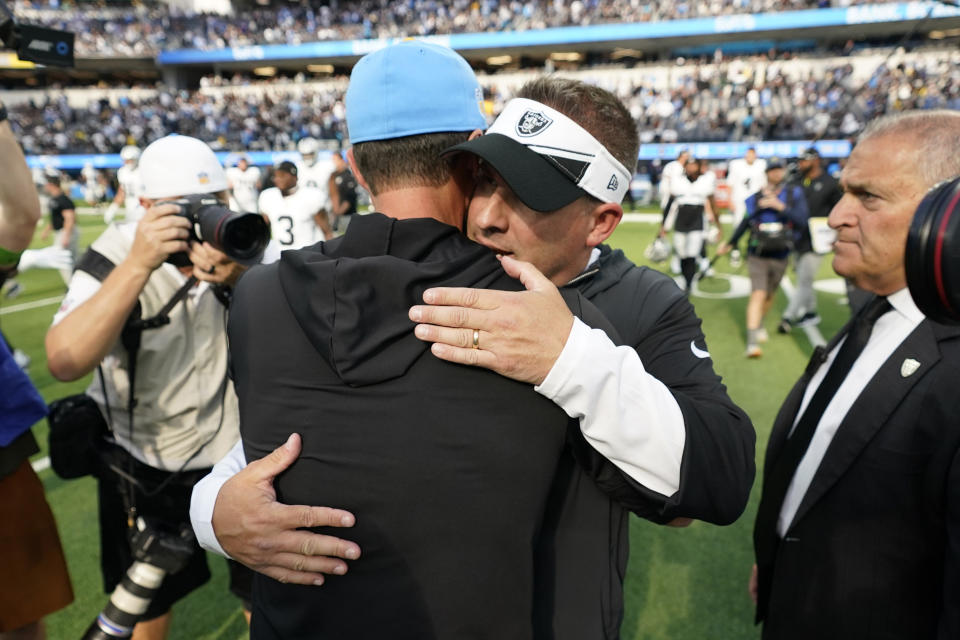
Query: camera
(933, 253)
(242, 236)
(36, 44)
(156, 553)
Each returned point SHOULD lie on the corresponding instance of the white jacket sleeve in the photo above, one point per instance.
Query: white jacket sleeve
(627, 415)
(205, 494)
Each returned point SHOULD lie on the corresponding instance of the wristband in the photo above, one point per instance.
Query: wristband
(9, 258)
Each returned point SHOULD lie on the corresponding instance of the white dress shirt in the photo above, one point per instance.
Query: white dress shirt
(890, 330)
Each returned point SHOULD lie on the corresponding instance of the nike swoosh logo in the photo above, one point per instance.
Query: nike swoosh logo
(700, 353)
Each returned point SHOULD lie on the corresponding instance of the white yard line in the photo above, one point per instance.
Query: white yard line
(25, 306)
(40, 464)
(813, 333)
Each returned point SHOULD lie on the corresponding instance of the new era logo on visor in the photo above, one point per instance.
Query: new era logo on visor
(532, 122)
(614, 183)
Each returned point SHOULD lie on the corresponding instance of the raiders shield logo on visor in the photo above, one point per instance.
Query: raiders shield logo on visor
(532, 123)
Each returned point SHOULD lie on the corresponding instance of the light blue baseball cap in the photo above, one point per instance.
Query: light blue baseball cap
(412, 88)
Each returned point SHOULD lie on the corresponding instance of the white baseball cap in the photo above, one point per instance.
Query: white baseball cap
(180, 166)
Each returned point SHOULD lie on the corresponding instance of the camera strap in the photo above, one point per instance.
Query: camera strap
(130, 338)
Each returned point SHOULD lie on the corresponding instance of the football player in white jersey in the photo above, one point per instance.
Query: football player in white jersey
(690, 194)
(128, 193)
(745, 176)
(92, 190)
(297, 214)
(672, 172)
(314, 172)
(244, 181)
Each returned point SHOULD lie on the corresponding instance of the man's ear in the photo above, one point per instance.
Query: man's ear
(606, 217)
(356, 173)
(476, 134)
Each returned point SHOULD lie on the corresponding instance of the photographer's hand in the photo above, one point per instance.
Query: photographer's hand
(214, 266)
(160, 232)
(267, 536)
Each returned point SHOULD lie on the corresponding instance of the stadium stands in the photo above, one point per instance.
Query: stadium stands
(731, 100)
(145, 29)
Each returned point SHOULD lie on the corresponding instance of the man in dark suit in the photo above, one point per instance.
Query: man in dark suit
(858, 530)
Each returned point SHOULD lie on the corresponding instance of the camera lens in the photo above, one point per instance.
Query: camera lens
(244, 236)
(933, 254)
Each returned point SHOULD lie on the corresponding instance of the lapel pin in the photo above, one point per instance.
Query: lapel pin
(909, 367)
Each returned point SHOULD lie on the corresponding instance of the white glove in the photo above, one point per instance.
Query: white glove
(111, 212)
(46, 258)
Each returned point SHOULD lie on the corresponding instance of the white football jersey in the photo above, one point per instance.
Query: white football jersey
(316, 176)
(129, 179)
(291, 217)
(244, 187)
(693, 193)
(745, 180)
(672, 172)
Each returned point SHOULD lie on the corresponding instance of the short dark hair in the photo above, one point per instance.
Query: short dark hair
(411, 161)
(595, 109)
(287, 167)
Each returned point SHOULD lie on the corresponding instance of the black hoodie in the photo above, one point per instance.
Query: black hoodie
(446, 467)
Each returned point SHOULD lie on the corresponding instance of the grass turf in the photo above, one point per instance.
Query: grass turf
(680, 583)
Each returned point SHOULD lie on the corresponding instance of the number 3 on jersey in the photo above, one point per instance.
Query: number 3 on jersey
(284, 233)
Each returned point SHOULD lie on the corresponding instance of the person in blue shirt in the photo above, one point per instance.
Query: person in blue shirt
(775, 214)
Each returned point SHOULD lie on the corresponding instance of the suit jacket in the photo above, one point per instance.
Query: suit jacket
(874, 549)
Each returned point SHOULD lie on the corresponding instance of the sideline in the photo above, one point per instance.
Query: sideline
(25, 306)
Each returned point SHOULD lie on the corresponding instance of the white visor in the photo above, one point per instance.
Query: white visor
(567, 145)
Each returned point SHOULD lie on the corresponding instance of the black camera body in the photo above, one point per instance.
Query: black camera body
(157, 552)
(242, 236)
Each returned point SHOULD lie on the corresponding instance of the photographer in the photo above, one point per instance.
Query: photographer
(774, 213)
(174, 413)
(35, 580)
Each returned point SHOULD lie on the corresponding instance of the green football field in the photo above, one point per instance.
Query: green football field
(681, 583)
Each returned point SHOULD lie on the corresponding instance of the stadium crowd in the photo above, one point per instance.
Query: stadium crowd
(742, 99)
(145, 29)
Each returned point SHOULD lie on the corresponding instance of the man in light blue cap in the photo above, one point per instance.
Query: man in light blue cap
(448, 469)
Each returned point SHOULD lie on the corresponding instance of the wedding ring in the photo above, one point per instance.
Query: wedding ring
(476, 338)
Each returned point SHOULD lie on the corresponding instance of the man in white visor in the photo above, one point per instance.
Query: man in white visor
(553, 171)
